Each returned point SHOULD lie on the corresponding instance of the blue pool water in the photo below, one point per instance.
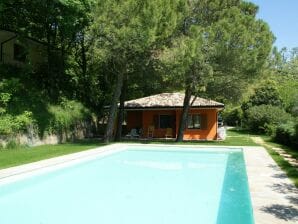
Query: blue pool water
(152, 186)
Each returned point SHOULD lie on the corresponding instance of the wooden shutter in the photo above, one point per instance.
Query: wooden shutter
(204, 122)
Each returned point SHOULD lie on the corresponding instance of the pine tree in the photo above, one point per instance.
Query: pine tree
(125, 29)
(218, 38)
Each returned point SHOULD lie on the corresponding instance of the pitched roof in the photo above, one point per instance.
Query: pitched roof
(169, 100)
(25, 36)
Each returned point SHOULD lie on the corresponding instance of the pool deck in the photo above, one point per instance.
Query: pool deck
(274, 197)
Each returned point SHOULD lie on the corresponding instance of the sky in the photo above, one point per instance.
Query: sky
(282, 17)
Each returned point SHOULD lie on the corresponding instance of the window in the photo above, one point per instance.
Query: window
(165, 121)
(19, 53)
(194, 121)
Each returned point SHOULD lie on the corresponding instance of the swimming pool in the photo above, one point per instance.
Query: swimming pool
(139, 185)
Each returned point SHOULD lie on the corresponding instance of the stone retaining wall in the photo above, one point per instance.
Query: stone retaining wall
(32, 138)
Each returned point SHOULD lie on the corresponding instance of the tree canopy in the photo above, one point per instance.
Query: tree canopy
(221, 44)
(102, 53)
(123, 32)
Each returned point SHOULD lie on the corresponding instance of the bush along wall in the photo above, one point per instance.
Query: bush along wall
(66, 121)
(12, 124)
(29, 116)
(287, 134)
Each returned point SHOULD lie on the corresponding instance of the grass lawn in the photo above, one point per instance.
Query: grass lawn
(234, 138)
(22, 155)
(292, 152)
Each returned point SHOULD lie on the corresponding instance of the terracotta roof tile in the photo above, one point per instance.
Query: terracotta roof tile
(168, 100)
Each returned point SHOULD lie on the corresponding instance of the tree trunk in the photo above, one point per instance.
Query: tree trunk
(113, 109)
(183, 118)
(121, 111)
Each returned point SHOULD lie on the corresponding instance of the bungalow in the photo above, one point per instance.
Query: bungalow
(159, 115)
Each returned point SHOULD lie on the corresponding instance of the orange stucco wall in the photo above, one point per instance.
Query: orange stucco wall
(144, 119)
(211, 131)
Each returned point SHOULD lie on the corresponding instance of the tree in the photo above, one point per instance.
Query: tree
(230, 43)
(263, 105)
(59, 25)
(187, 65)
(266, 94)
(279, 80)
(276, 59)
(124, 30)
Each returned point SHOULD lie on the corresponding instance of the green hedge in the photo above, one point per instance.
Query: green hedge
(66, 115)
(287, 134)
(265, 118)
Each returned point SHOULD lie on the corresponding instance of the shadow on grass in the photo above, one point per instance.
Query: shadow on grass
(241, 131)
(89, 141)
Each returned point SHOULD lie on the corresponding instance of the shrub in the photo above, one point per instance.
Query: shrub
(12, 144)
(67, 114)
(265, 118)
(11, 124)
(232, 117)
(287, 134)
(6, 124)
(266, 94)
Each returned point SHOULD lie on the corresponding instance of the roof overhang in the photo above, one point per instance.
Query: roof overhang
(170, 101)
(173, 108)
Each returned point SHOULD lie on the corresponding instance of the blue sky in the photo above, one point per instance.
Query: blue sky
(282, 17)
